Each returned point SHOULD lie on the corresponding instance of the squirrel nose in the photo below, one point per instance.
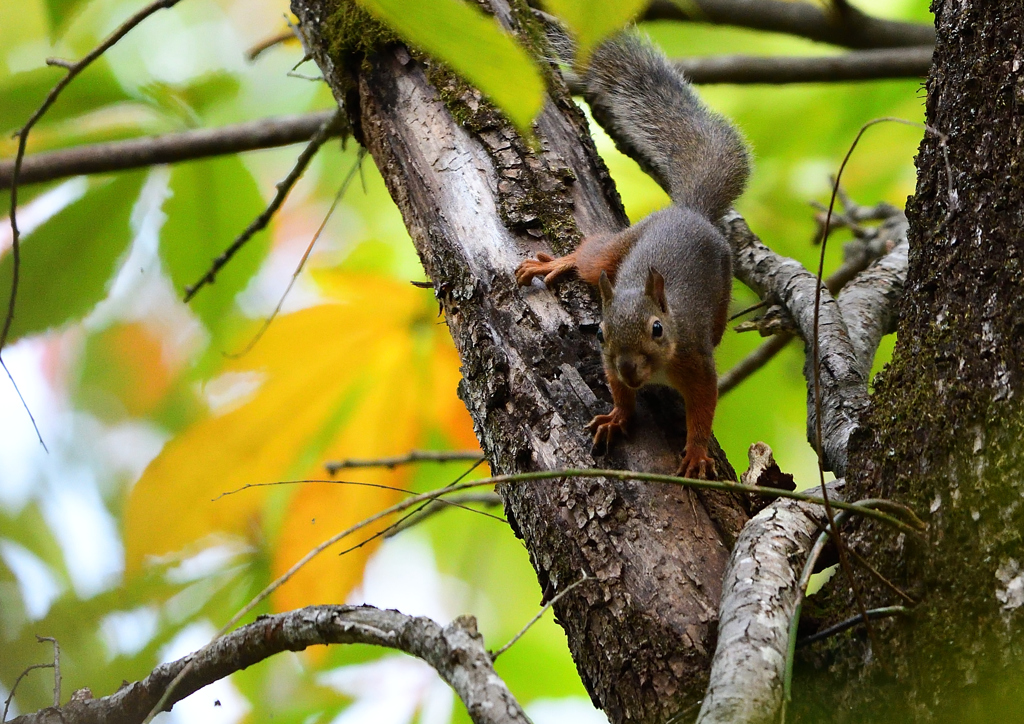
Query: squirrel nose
(628, 373)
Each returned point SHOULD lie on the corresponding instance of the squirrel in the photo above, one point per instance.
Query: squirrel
(665, 282)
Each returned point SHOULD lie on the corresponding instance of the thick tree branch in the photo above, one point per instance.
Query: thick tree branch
(868, 303)
(456, 651)
(852, 29)
(860, 252)
(477, 200)
(843, 384)
(168, 148)
(858, 65)
(760, 593)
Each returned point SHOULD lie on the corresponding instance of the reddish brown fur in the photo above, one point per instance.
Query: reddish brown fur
(694, 376)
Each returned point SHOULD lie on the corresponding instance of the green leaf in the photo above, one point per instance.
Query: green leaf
(592, 20)
(21, 94)
(211, 203)
(59, 12)
(475, 46)
(66, 263)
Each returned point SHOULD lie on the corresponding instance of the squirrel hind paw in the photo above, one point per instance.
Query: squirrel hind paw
(697, 465)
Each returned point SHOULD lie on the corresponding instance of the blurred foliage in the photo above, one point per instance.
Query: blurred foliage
(152, 413)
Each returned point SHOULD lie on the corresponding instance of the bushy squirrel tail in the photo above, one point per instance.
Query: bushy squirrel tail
(653, 114)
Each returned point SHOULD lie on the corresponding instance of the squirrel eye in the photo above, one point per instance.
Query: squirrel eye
(656, 330)
(600, 335)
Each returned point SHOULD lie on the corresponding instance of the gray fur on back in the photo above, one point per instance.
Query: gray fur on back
(695, 260)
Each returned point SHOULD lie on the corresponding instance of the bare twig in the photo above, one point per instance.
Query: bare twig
(442, 504)
(22, 675)
(74, 69)
(877, 575)
(56, 666)
(168, 148)
(808, 20)
(754, 361)
(414, 456)
(266, 44)
(24, 404)
(815, 361)
(329, 128)
(536, 618)
(302, 262)
(456, 651)
(854, 66)
(912, 527)
(871, 615)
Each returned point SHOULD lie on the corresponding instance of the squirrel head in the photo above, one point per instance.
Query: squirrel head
(637, 338)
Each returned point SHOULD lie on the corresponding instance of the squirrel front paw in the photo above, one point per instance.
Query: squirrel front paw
(545, 266)
(696, 464)
(605, 428)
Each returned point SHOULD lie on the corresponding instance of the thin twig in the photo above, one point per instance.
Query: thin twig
(877, 575)
(264, 45)
(10, 697)
(872, 614)
(73, 71)
(414, 456)
(302, 262)
(24, 404)
(56, 666)
(913, 525)
(859, 65)
(167, 148)
(754, 361)
(442, 504)
(329, 128)
(794, 621)
(815, 363)
(541, 612)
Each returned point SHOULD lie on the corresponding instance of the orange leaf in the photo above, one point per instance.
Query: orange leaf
(369, 376)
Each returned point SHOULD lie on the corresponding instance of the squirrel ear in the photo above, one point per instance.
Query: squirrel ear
(605, 285)
(655, 288)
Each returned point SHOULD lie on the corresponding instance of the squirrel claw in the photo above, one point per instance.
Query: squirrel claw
(606, 427)
(696, 464)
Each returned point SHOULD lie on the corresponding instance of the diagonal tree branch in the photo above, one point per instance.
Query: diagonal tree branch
(851, 28)
(456, 651)
(868, 303)
(760, 593)
(843, 384)
(168, 148)
(859, 253)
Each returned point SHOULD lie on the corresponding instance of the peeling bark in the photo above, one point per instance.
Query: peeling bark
(759, 596)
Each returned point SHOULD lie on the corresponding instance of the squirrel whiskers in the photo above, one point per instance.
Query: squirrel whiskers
(665, 282)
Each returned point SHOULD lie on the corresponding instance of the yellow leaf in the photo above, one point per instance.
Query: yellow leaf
(368, 376)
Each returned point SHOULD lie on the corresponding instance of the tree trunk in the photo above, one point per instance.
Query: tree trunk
(476, 201)
(944, 428)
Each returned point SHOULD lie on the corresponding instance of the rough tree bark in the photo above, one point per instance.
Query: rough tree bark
(477, 201)
(943, 431)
